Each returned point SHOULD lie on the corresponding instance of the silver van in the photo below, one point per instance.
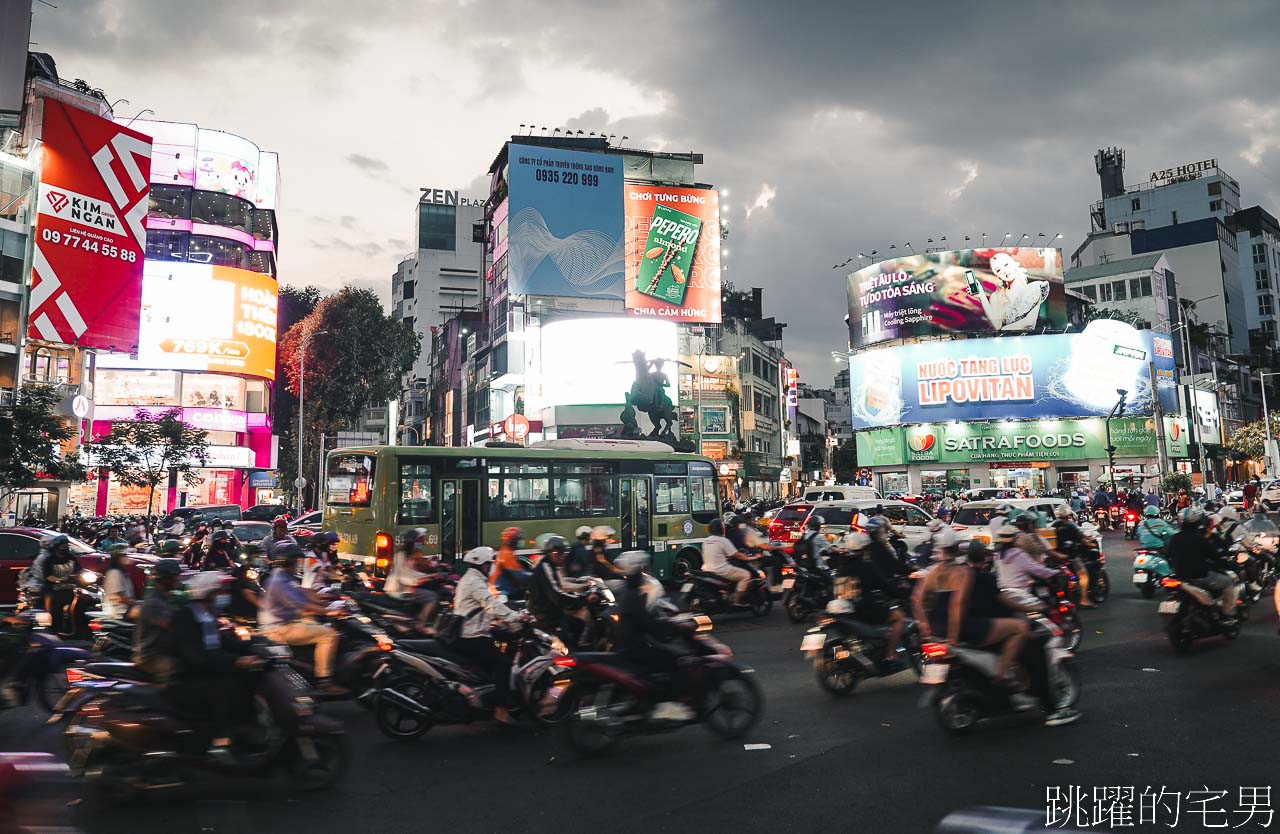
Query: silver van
(840, 493)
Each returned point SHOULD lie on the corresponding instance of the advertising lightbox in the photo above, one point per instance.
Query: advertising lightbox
(589, 361)
(87, 266)
(961, 291)
(197, 317)
(673, 252)
(565, 223)
(1023, 377)
(135, 388)
(211, 160)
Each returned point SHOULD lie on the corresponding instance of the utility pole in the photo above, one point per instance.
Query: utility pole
(1162, 454)
(1117, 410)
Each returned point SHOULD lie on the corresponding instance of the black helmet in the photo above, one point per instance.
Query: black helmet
(410, 539)
(220, 537)
(814, 522)
(286, 551)
(167, 567)
(978, 551)
(1026, 522)
(737, 519)
(554, 543)
(324, 539)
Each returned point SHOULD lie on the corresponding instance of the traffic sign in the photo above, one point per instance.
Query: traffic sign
(299, 482)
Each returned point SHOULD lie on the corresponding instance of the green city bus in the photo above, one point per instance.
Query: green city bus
(655, 499)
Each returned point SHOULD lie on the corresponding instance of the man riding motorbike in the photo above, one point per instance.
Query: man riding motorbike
(1154, 532)
(320, 568)
(645, 637)
(279, 533)
(409, 573)
(600, 561)
(580, 559)
(223, 552)
(717, 550)
(871, 590)
(508, 574)
(1196, 559)
(481, 611)
(284, 615)
(117, 587)
(153, 634)
(1070, 547)
(51, 580)
(880, 551)
(999, 518)
(810, 549)
(553, 596)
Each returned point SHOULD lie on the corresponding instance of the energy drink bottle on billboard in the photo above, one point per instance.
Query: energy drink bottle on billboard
(971, 285)
(667, 258)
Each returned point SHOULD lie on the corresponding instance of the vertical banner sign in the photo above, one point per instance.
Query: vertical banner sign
(87, 274)
(673, 252)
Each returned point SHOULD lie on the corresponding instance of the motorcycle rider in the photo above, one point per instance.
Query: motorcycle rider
(880, 551)
(580, 558)
(223, 552)
(1229, 530)
(284, 614)
(117, 587)
(553, 596)
(1154, 532)
(481, 610)
(51, 579)
(153, 634)
(717, 550)
(508, 574)
(810, 549)
(110, 538)
(855, 559)
(409, 573)
(246, 594)
(1197, 560)
(1017, 570)
(601, 563)
(279, 533)
(321, 564)
(645, 638)
(1069, 549)
(999, 518)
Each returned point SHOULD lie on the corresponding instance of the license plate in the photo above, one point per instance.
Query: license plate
(1140, 577)
(789, 582)
(813, 642)
(1170, 606)
(794, 535)
(934, 673)
(686, 587)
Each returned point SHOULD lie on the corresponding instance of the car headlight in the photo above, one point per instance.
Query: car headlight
(88, 577)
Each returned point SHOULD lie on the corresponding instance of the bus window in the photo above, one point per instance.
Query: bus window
(581, 496)
(417, 504)
(349, 480)
(518, 498)
(671, 497)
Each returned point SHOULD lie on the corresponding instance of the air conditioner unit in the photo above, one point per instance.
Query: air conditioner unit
(1137, 225)
(1121, 228)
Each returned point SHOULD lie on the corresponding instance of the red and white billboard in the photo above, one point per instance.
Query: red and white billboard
(91, 239)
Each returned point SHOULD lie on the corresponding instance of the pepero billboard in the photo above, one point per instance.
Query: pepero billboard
(961, 291)
(87, 267)
(673, 252)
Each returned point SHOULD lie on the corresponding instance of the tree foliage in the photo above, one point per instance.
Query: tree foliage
(31, 439)
(142, 451)
(295, 305)
(845, 462)
(1247, 441)
(1132, 319)
(1175, 481)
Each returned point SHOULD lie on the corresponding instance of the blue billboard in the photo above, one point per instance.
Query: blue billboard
(1014, 378)
(564, 223)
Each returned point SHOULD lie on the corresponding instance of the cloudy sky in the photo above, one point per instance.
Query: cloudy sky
(837, 127)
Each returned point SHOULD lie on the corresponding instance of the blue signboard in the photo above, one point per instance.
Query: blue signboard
(263, 480)
(1018, 378)
(564, 223)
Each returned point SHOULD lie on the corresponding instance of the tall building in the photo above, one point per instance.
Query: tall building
(1258, 241)
(208, 332)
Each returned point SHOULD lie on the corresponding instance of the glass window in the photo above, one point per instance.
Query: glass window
(1104, 292)
(1265, 305)
(1215, 189)
(1091, 291)
(41, 364)
(1215, 205)
(437, 226)
(408, 289)
(512, 499)
(702, 494)
(670, 468)
(169, 201)
(255, 396)
(417, 504)
(1118, 290)
(672, 496)
(143, 388)
(263, 224)
(581, 496)
(262, 262)
(350, 480)
(203, 249)
(1135, 204)
(213, 391)
(221, 210)
(166, 245)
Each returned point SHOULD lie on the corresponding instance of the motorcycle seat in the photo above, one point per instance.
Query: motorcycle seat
(434, 648)
(710, 577)
(115, 670)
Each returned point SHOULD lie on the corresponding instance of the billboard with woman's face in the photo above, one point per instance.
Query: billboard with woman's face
(960, 291)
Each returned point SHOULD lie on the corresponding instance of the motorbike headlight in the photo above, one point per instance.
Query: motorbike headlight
(88, 577)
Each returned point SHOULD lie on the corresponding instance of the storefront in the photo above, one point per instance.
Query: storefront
(761, 476)
(1040, 455)
(264, 487)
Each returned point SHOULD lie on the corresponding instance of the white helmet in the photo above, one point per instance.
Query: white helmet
(603, 532)
(632, 562)
(854, 541)
(946, 538)
(936, 525)
(206, 584)
(479, 556)
(1228, 513)
(840, 606)
(1006, 534)
(1063, 511)
(584, 530)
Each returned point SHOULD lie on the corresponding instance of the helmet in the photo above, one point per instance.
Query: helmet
(170, 547)
(1193, 517)
(1003, 509)
(737, 519)
(479, 556)
(583, 532)
(228, 525)
(204, 585)
(1151, 511)
(411, 539)
(553, 543)
(220, 537)
(876, 525)
(632, 563)
(279, 521)
(1228, 513)
(946, 539)
(511, 535)
(55, 541)
(286, 551)
(854, 541)
(840, 606)
(602, 533)
(1063, 511)
(167, 567)
(1025, 522)
(1006, 534)
(118, 547)
(936, 525)
(814, 522)
(324, 539)
(978, 550)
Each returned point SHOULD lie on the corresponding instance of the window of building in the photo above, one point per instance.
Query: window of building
(1175, 217)
(13, 247)
(408, 289)
(1259, 253)
(1215, 189)
(1118, 290)
(166, 245)
(255, 396)
(172, 202)
(262, 262)
(1104, 292)
(1135, 204)
(1090, 290)
(437, 227)
(1140, 287)
(1215, 205)
(221, 210)
(264, 224)
(217, 251)
(1265, 306)
(417, 499)
(1262, 280)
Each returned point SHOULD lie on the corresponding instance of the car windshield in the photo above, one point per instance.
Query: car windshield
(251, 532)
(974, 515)
(792, 514)
(836, 516)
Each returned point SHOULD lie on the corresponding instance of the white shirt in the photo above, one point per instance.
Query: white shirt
(473, 601)
(116, 582)
(716, 551)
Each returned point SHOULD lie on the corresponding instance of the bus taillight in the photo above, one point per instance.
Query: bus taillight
(382, 551)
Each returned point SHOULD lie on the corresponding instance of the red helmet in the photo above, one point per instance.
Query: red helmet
(279, 521)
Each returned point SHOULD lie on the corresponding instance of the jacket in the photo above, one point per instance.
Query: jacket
(1154, 533)
(548, 595)
(637, 623)
(506, 560)
(1016, 569)
(192, 657)
(1191, 555)
(478, 606)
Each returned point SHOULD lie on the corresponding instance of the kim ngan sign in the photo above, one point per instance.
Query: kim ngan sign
(90, 241)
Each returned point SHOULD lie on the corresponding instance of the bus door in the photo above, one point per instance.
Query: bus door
(459, 516)
(633, 496)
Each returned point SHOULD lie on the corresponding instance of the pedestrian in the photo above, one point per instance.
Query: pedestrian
(1250, 493)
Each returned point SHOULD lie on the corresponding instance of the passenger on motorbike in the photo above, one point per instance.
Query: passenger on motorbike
(320, 568)
(871, 591)
(717, 550)
(246, 594)
(999, 518)
(553, 596)
(223, 552)
(942, 606)
(508, 574)
(208, 680)
(409, 573)
(1196, 559)
(481, 611)
(1154, 532)
(1069, 550)
(1229, 531)
(1017, 570)
(810, 549)
(117, 587)
(580, 558)
(600, 561)
(279, 533)
(153, 634)
(284, 616)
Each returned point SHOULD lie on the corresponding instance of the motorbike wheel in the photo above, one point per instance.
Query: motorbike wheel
(1066, 686)
(958, 711)
(588, 736)
(834, 680)
(762, 603)
(1179, 637)
(1148, 590)
(51, 687)
(734, 706)
(797, 610)
(1100, 588)
(333, 755)
(398, 723)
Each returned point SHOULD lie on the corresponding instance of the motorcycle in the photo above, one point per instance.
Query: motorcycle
(805, 591)
(846, 651)
(1057, 596)
(425, 682)
(122, 736)
(1102, 518)
(1130, 525)
(707, 593)
(40, 675)
(1149, 567)
(1095, 562)
(608, 700)
(361, 645)
(965, 690)
(1192, 613)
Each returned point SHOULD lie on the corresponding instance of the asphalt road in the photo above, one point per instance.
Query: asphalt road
(872, 762)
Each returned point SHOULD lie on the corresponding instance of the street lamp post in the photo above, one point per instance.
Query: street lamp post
(417, 438)
(1269, 464)
(1111, 449)
(301, 483)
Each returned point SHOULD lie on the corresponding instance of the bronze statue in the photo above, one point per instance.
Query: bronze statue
(630, 426)
(649, 394)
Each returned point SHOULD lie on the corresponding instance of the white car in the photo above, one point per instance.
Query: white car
(972, 521)
(1269, 495)
(840, 517)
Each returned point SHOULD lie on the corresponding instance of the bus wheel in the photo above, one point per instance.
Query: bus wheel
(683, 566)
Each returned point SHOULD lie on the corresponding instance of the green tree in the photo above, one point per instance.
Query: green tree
(1247, 441)
(1175, 481)
(31, 441)
(144, 450)
(295, 305)
(845, 462)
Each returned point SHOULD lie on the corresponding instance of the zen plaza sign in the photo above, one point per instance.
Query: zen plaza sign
(445, 197)
(1191, 171)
